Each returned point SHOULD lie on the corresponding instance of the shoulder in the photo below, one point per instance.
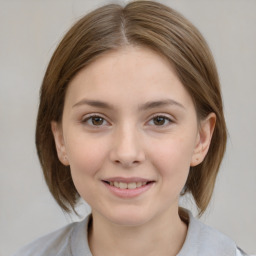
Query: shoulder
(204, 240)
(57, 243)
(240, 252)
(50, 244)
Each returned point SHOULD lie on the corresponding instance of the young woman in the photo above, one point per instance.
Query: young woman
(130, 119)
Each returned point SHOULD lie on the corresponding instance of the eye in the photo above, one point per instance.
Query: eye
(160, 120)
(95, 120)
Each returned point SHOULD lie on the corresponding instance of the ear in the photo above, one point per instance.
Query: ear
(59, 142)
(204, 137)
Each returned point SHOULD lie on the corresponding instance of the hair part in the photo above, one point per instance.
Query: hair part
(144, 23)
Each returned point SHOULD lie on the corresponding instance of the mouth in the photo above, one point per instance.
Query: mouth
(128, 185)
(128, 188)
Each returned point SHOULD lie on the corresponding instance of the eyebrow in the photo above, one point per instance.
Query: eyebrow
(160, 103)
(93, 103)
(144, 106)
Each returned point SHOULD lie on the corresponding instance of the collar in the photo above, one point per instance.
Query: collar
(201, 240)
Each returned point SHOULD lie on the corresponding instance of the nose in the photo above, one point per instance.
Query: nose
(127, 150)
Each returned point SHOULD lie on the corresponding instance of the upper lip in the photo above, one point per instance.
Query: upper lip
(127, 180)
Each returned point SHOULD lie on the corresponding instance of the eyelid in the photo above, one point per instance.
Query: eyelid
(166, 116)
(86, 117)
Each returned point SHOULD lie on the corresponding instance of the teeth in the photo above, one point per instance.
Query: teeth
(124, 185)
(132, 185)
(138, 184)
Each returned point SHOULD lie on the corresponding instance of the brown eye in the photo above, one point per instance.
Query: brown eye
(96, 120)
(159, 120)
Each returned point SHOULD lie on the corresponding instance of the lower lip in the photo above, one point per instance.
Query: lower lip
(128, 193)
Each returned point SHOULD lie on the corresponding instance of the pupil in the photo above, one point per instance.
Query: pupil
(159, 120)
(97, 120)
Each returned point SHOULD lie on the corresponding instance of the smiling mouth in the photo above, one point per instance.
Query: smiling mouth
(130, 185)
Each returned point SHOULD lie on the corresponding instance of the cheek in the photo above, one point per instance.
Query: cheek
(85, 155)
(172, 159)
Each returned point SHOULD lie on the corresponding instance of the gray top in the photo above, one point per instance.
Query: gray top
(201, 240)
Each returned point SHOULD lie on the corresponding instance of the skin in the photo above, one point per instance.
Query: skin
(127, 140)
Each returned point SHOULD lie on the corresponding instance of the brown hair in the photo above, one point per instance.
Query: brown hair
(110, 27)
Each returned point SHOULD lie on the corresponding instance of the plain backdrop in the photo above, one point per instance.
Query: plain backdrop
(29, 33)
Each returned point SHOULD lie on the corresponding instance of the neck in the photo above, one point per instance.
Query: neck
(163, 235)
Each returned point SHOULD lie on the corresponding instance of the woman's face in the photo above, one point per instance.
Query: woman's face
(130, 134)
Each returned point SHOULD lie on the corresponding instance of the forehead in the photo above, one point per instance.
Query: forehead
(130, 62)
(135, 72)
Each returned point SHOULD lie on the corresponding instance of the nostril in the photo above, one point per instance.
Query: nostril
(126, 163)
(127, 154)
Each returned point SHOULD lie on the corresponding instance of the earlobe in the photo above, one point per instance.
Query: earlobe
(59, 142)
(204, 139)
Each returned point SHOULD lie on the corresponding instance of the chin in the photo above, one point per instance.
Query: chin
(129, 218)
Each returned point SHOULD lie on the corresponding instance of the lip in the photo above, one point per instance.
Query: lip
(126, 180)
(128, 193)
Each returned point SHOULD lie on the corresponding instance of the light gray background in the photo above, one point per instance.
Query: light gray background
(29, 33)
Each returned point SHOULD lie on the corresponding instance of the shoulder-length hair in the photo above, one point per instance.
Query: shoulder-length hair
(144, 23)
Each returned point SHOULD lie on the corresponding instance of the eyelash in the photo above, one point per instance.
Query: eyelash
(165, 119)
(90, 117)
